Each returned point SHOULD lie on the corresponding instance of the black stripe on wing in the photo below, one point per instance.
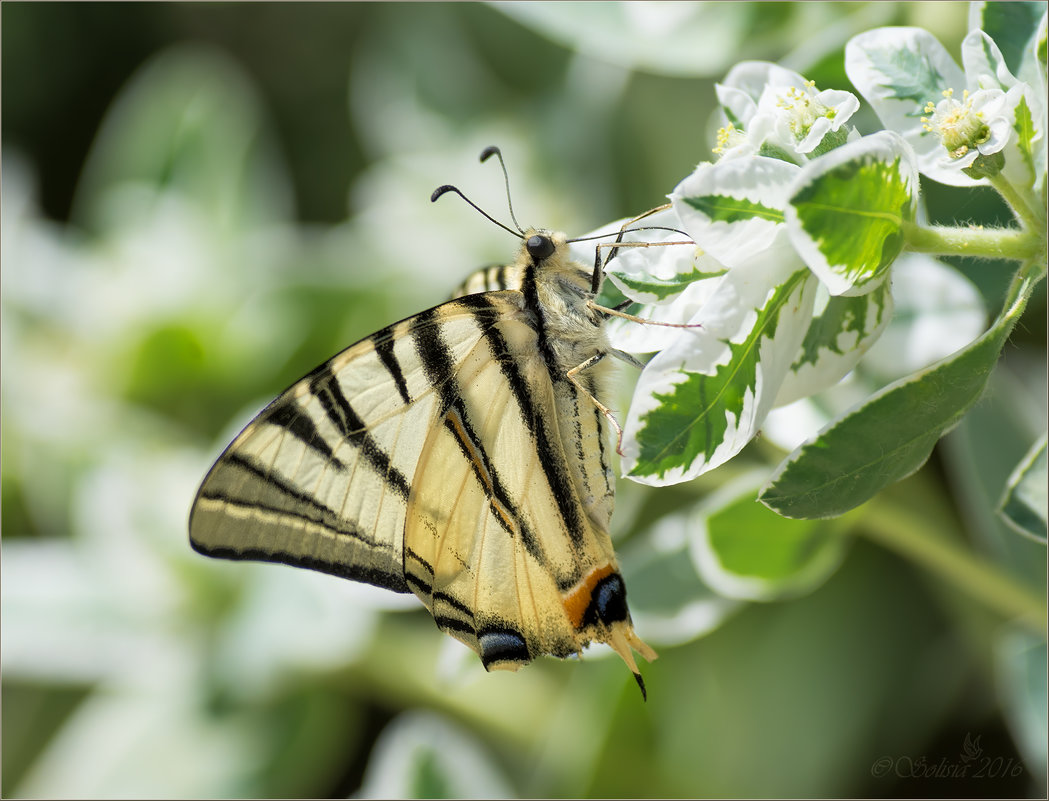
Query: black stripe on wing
(384, 350)
(318, 513)
(551, 459)
(436, 358)
(324, 385)
(286, 414)
(456, 422)
(353, 572)
(449, 613)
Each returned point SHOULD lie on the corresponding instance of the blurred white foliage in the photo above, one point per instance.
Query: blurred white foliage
(146, 742)
(669, 601)
(672, 37)
(421, 755)
(113, 599)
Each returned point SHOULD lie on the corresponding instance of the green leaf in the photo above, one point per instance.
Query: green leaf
(744, 550)
(190, 121)
(846, 215)
(1011, 25)
(699, 402)
(642, 285)
(908, 74)
(1025, 134)
(724, 208)
(892, 435)
(668, 599)
(1021, 672)
(1024, 503)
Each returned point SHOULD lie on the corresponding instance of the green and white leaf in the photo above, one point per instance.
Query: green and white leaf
(937, 311)
(639, 338)
(671, 283)
(651, 289)
(892, 435)
(734, 209)
(745, 551)
(1012, 26)
(1025, 503)
(668, 599)
(985, 66)
(842, 330)
(847, 209)
(898, 71)
(699, 401)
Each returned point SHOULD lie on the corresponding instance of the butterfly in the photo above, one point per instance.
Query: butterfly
(460, 454)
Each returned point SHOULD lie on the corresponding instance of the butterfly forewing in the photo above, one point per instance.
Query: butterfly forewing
(320, 478)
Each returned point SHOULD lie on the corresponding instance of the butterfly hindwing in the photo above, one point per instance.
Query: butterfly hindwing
(491, 541)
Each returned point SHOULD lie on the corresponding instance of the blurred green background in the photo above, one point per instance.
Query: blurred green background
(201, 202)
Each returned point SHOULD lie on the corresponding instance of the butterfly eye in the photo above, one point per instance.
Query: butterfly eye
(539, 247)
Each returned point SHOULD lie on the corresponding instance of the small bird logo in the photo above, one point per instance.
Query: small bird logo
(971, 748)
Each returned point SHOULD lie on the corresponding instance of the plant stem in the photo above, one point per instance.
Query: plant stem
(988, 243)
(899, 530)
(1019, 203)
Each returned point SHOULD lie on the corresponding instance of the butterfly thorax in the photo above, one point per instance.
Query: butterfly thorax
(557, 290)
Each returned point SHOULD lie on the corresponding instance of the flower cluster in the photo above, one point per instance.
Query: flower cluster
(798, 226)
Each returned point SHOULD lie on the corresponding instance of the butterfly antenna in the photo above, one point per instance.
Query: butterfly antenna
(449, 188)
(486, 154)
(629, 231)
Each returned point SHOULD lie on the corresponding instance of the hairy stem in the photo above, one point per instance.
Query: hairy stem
(988, 243)
(1021, 203)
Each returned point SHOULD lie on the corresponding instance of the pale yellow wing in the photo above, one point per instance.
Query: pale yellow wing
(505, 540)
(321, 478)
(440, 456)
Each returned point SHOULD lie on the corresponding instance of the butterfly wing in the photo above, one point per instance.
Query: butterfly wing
(506, 537)
(428, 458)
(485, 546)
(321, 478)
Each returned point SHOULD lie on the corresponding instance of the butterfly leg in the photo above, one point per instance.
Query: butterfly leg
(571, 375)
(635, 319)
(599, 267)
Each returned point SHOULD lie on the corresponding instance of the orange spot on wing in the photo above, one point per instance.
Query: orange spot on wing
(578, 598)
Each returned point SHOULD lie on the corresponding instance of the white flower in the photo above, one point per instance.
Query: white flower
(973, 126)
(804, 116)
(775, 111)
(912, 82)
